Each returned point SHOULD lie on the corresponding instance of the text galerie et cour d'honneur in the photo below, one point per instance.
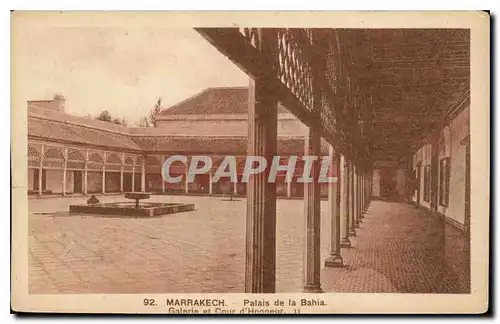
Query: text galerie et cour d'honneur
(247, 303)
(227, 168)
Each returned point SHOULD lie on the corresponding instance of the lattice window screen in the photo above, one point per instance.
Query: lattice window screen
(76, 160)
(128, 164)
(33, 157)
(95, 162)
(294, 70)
(53, 158)
(251, 35)
(113, 163)
(153, 164)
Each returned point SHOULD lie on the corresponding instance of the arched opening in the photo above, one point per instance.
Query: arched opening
(113, 168)
(53, 170)
(75, 171)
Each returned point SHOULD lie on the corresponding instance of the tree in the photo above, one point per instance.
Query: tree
(104, 116)
(154, 113)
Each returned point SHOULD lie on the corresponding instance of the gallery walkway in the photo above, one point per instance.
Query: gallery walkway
(401, 248)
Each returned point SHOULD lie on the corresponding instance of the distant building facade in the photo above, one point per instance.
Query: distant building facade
(69, 155)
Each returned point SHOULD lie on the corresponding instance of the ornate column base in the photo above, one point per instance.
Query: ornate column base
(352, 232)
(313, 289)
(334, 260)
(345, 243)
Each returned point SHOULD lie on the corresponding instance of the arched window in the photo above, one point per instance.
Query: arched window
(113, 162)
(53, 158)
(96, 161)
(76, 160)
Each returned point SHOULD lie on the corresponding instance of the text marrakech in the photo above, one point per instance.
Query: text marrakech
(253, 165)
(195, 302)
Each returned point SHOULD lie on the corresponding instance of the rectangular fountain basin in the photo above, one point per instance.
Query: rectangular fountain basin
(129, 209)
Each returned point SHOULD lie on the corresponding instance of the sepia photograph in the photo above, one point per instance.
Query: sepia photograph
(194, 165)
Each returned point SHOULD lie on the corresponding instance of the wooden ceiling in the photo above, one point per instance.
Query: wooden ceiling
(412, 79)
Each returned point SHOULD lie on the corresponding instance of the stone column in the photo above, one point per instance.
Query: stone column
(186, 183)
(143, 175)
(85, 174)
(103, 180)
(133, 177)
(368, 190)
(210, 182)
(355, 216)
(352, 205)
(162, 181)
(260, 259)
(260, 271)
(121, 179)
(334, 201)
(344, 176)
(312, 211)
(40, 171)
(370, 187)
(65, 170)
(363, 197)
(103, 183)
(365, 187)
(289, 189)
(358, 193)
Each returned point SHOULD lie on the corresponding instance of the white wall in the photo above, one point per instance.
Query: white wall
(452, 146)
(401, 183)
(204, 127)
(454, 133)
(422, 156)
(236, 125)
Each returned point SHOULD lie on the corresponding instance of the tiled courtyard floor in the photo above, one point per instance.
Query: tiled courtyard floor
(398, 248)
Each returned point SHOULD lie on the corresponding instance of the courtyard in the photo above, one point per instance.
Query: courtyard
(398, 248)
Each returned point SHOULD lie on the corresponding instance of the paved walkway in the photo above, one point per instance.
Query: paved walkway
(398, 248)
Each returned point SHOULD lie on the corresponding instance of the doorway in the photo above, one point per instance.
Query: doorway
(388, 184)
(137, 182)
(127, 182)
(77, 181)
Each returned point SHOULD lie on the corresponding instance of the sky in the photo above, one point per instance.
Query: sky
(122, 69)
